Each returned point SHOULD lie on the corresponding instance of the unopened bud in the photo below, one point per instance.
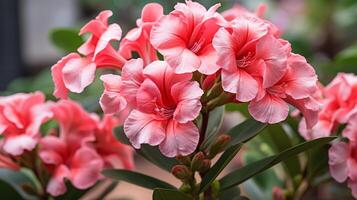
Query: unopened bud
(186, 188)
(28, 189)
(197, 161)
(215, 186)
(181, 172)
(206, 165)
(219, 145)
(185, 160)
(278, 194)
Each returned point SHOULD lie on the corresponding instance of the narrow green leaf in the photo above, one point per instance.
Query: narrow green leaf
(72, 192)
(136, 179)
(66, 39)
(150, 153)
(245, 131)
(154, 155)
(168, 194)
(214, 124)
(218, 167)
(120, 135)
(12, 183)
(278, 140)
(240, 175)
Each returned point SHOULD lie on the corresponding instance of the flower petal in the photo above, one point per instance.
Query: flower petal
(78, 73)
(181, 139)
(338, 155)
(143, 128)
(269, 109)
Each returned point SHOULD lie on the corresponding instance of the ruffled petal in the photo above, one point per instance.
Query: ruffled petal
(61, 90)
(269, 109)
(78, 73)
(86, 168)
(181, 139)
(143, 128)
(338, 155)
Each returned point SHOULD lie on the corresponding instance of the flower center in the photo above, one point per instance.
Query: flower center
(197, 46)
(245, 60)
(165, 113)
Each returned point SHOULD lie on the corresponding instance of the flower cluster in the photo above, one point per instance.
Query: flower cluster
(77, 150)
(339, 107)
(209, 59)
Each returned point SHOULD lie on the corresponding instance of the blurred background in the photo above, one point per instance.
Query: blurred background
(35, 34)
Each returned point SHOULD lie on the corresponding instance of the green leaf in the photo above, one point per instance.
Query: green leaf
(150, 153)
(66, 39)
(245, 131)
(136, 179)
(154, 155)
(167, 194)
(278, 140)
(12, 184)
(238, 176)
(218, 167)
(214, 124)
(120, 135)
(72, 192)
(228, 194)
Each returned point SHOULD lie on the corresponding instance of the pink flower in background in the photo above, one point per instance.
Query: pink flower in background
(339, 103)
(80, 164)
(21, 116)
(137, 39)
(120, 91)
(238, 10)
(184, 37)
(114, 153)
(73, 72)
(167, 103)
(67, 155)
(75, 124)
(343, 157)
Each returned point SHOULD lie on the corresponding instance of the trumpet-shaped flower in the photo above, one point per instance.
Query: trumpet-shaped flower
(167, 103)
(184, 37)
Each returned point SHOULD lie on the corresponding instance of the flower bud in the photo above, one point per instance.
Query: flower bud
(219, 145)
(186, 188)
(278, 194)
(181, 172)
(185, 160)
(197, 161)
(206, 165)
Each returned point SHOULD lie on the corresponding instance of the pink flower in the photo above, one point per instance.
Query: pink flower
(247, 54)
(73, 72)
(339, 103)
(69, 155)
(167, 103)
(21, 116)
(114, 153)
(7, 163)
(137, 39)
(120, 91)
(184, 37)
(76, 125)
(296, 88)
(238, 10)
(81, 164)
(343, 157)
